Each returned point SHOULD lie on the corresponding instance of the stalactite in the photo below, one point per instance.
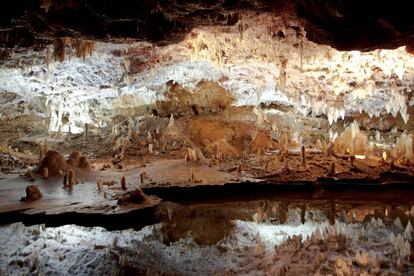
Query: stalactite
(59, 49)
(83, 48)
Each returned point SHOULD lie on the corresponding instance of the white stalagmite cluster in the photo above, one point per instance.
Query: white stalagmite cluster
(352, 141)
(404, 148)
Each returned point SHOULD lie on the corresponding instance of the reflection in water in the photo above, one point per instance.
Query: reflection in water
(209, 223)
(299, 235)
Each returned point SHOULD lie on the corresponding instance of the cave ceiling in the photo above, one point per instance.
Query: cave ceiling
(344, 25)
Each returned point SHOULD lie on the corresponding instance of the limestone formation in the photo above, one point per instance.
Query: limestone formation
(404, 148)
(239, 168)
(41, 152)
(65, 181)
(45, 172)
(135, 196)
(302, 157)
(330, 149)
(331, 171)
(32, 193)
(29, 174)
(71, 178)
(123, 183)
(99, 184)
(54, 162)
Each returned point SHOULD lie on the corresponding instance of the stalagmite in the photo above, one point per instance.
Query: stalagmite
(283, 143)
(319, 145)
(45, 172)
(404, 148)
(331, 171)
(42, 151)
(194, 154)
(392, 165)
(123, 183)
(362, 258)
(239, 167)
(342, 267)
(408, 233)
(71, 178)
(302, 157)
(135, 196)
(99, 184)
(85, 132)
(282, 75)
(192, 178)
(122, 154)
(171, 122)
(286, 166)
(32, 193)
(30, 175)
(65, 181)
(282, 156)
(329, 149)
(384, 157)
(352, 159)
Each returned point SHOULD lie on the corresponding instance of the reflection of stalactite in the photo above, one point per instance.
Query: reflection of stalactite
(59, 49)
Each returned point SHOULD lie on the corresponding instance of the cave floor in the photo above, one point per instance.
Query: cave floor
(177, 179)
(198, 158)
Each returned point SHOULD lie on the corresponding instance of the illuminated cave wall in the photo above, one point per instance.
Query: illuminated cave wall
(263, 59)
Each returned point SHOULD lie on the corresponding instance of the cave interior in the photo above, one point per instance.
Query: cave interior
(206, 137)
